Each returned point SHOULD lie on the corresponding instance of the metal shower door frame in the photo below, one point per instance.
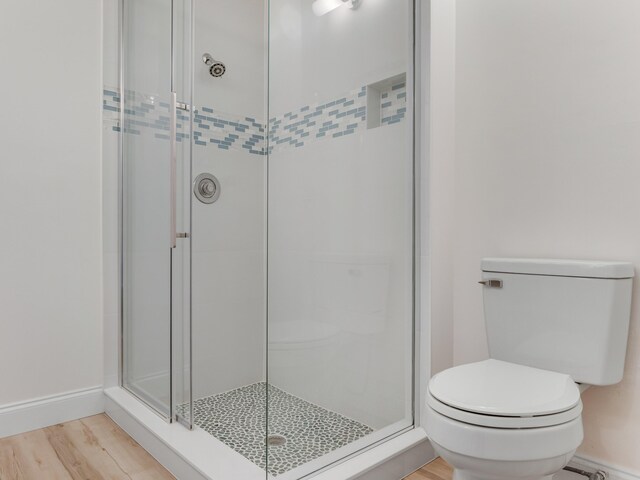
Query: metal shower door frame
(175, 363)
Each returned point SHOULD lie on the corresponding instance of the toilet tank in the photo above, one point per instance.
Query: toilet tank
(567, 316)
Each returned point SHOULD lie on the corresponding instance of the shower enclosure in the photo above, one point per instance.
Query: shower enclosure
(267, 220)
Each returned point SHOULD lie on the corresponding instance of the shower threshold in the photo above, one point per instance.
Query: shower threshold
(299, 431)
(391, 452)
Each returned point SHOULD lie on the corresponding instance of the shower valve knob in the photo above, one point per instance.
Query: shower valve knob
(206, 188)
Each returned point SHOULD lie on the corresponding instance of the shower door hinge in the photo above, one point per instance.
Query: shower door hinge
(182, 106)
(182, 235)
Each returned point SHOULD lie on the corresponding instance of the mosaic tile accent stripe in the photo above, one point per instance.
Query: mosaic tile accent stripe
(237, 418)
(143, 113)
(148, 113)
(393, 104)
(111, 108)
(226, 131)
(310, 123)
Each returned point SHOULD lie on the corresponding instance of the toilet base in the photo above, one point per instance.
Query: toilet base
(473, 468)
(484, 453)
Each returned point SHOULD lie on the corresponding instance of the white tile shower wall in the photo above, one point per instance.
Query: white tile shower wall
(232, 32)
(338, 312)
(228, 277)
(50, 287)
(228, 274)
(320, 58)
(148, 116)
(547, 148)
(339, 325)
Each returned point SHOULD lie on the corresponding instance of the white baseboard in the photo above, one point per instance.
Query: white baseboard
(46, 411)
(614, 472)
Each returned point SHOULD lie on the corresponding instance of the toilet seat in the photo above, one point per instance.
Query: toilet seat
(495, 421)
(499, 394)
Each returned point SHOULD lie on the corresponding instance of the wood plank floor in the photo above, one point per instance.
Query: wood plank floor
(95, 448)
(436, 470)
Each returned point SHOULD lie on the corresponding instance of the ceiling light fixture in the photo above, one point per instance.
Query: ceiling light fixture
(321, 7)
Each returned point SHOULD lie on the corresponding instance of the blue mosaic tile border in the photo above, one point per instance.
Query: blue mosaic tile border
(393, 104)
(145, 113)
(226, 131)
(311, 123)
(111, 109)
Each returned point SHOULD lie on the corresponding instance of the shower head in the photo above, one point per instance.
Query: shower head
(216, 67)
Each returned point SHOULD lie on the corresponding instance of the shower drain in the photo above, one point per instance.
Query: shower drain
(276, 440)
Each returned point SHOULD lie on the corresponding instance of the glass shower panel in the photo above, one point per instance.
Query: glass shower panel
(228, 225)
(181, 254)
(340, 236)
(146, 301)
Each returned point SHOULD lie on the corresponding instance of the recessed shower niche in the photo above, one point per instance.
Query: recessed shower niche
(387, 101)
(268, 224)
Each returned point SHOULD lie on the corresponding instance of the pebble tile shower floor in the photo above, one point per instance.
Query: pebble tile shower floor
(237, 418)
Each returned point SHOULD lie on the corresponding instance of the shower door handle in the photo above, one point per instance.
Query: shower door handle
(173, 169)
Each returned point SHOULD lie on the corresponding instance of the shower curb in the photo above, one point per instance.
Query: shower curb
(196, 455)
(187, 454)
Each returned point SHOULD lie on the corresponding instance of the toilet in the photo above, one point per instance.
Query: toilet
(554, 327)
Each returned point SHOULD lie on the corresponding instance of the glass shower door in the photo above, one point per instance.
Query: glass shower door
(155, 262)
(340, 236)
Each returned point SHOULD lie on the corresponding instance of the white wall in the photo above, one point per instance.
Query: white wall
(547, 165)
(438, 210)
(50, 200)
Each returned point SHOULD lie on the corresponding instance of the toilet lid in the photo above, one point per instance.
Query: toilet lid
(494, 387)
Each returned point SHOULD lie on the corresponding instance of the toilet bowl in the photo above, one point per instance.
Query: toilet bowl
(495, 420)
(550, 324)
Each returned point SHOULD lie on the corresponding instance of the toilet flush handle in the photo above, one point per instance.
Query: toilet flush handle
(491, 283)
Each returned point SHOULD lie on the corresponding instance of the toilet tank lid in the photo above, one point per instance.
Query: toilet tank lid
(561, 268)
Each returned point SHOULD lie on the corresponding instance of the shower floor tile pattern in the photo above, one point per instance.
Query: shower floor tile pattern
(237, 418)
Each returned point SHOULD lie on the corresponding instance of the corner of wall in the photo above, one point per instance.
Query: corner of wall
(441, 201)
